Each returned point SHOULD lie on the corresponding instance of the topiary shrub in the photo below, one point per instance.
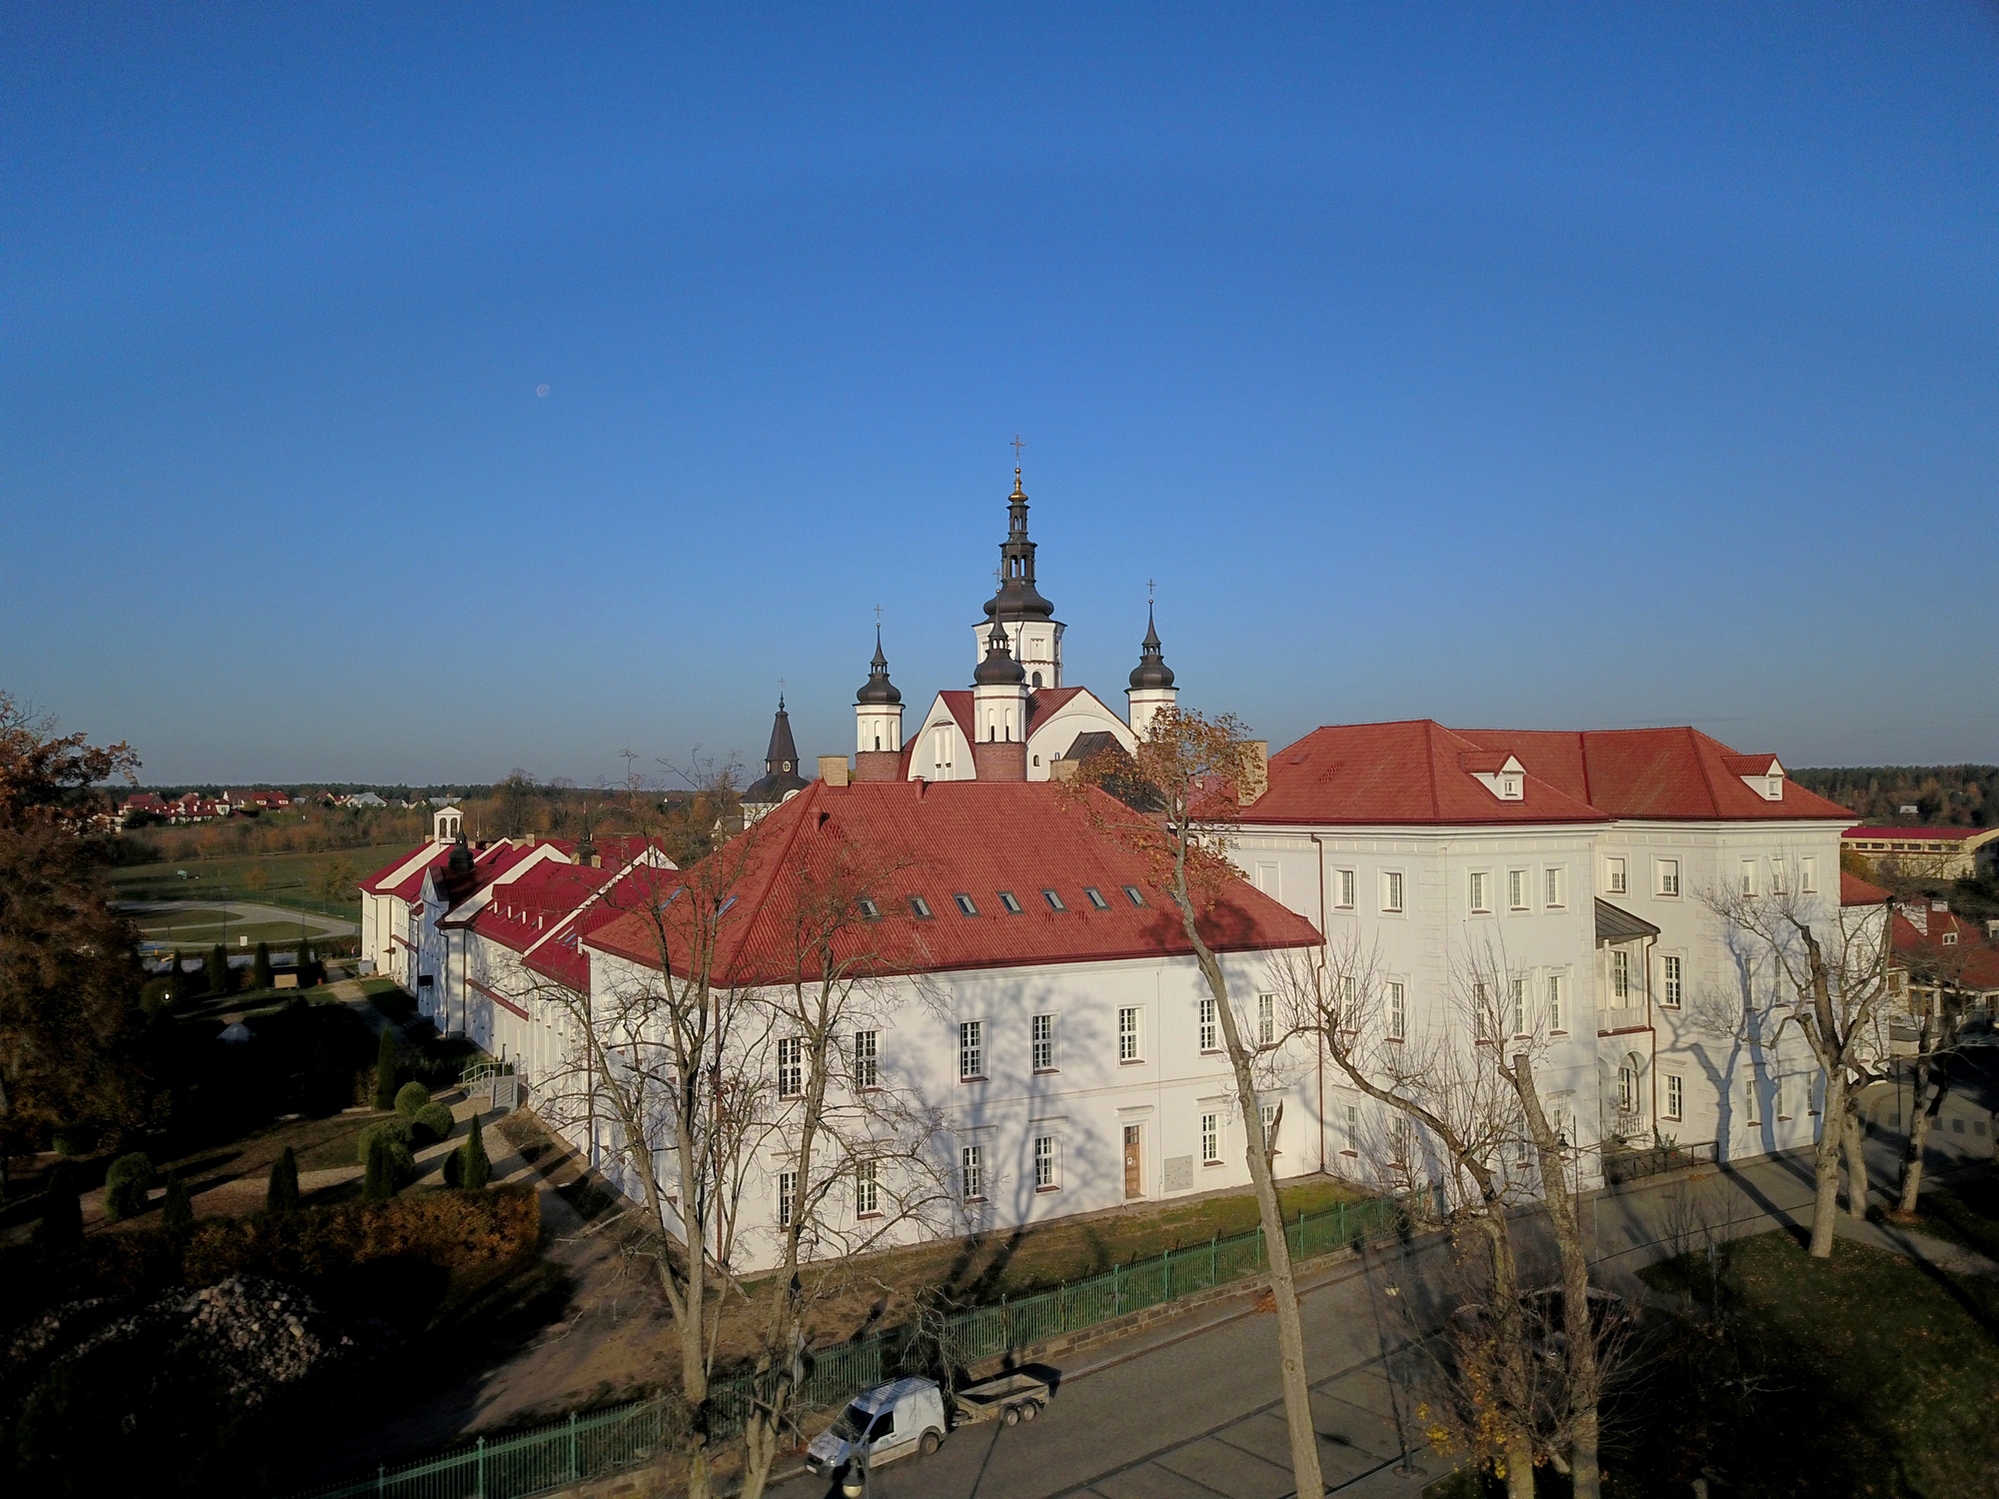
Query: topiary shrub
(282, 1194)
(410, 1097)
(126, 1184)
(454, 1169)
(260, 968)
(475, 1170)
(395, 1128)
(385, 1069)
(432, 1123)
(177, 1211)
(61, 1228)
(391, 1167)
(159, 994)
(218, 970)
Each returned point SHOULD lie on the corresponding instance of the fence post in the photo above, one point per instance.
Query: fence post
(1166, 1272)
(1117, 1292)
(481, 1489)
(1259, 1246)
(574, 1473)
(1214, 1268)
(381, 1478)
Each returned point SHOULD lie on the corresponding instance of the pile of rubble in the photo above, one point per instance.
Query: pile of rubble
(253, 1336)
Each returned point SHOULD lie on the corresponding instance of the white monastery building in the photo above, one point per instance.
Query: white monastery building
(1041, 997)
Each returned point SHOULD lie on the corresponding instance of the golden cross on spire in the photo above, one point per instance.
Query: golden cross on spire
(1148, 588)
(1017, 446)
(878, 614)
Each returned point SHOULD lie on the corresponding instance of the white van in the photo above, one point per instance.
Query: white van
(889, 1421)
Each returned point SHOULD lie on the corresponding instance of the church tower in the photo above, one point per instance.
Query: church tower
(1151, 691)
(877, 722)
(780, 780)
(1018, 605)
(999, 713)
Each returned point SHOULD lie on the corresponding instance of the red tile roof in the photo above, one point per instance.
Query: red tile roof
(937, 841)
(1415, 772)
(1408, 772)
(376, 883)
(1040, 704)
(1854, 891)
(1910, 835)
(1970, 962)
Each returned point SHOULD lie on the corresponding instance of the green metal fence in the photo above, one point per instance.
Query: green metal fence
(565, 1452)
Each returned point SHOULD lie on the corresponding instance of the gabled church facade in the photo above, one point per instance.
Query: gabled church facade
(1018, 719)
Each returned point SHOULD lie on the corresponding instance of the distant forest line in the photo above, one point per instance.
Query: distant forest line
(1950, 796)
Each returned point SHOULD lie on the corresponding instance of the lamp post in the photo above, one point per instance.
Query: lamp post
(854, 1483)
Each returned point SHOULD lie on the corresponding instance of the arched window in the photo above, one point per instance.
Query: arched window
(1627, 1085)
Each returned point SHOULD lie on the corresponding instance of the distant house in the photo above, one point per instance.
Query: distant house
(143, 804)
(363, 799)
(1938, 951)
(1924, 853)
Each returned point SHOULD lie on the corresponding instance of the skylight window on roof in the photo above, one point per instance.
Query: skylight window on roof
(1136, 898)
(724, 909)
(1096, 897)
(920, 906)
(965, 903)
(1012, 904)
(1054, 900)
(869, 910)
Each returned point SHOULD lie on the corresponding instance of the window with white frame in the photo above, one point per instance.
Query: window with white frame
(1211, 1139)
(1777, 875)
(1555, 1002)
(867, 1189)
(867, 1059)
(1353, 1130)
(1398, 1140)
(1047, 1163)
(1777, 1096)
(1391, 890)
(1398, 1011)
(1613, 876)
(1620, 976)
(1480, 900)
(972, 1169)
(1268, 1113)
(1627, 1089)
(1481, 1011)
(1520, 1007)
(1671, 988)
(790, 1066)
(1752, 1100)
(1343, 885)
(1808, 874)
(1666, 877)
(787, 1188)
(1516, 889)
(1041, 1034)
(1210, 1031)
(1551, 888)
(1676, 1096)
(1748, 876)
(1266, 1020)
(1130, 1034)
(971, 1050)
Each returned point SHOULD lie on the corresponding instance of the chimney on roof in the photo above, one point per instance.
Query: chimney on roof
(1992, 931)
(833, 769)
(1255, 771)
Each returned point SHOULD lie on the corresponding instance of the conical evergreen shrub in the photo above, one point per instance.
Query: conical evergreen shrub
(308, 974)
(282, 1194)
(476, 1170)
(378, 1184)
(218, 970)
(260, 968)
(385, 1070)
(177, 1212)
(61, 1228)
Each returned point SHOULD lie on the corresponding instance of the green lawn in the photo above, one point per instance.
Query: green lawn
(274, 879)
(1965, 1213)
(1862, 1374)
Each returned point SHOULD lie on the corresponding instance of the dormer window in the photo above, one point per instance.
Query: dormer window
(1773, 788)
(1507, 780)
(1509, 788)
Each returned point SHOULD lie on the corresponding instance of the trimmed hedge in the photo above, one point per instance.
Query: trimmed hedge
(395, 1128)
(451, 1231)
(432, 1123)
(126, 1184)
(411, 1097)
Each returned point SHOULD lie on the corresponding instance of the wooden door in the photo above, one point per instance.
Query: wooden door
(1132, 1175)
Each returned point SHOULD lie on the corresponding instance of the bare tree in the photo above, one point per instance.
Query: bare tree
(1830, 982)
(861, 1165)
(670, 1059)
(1192, 776)
(1932, 976)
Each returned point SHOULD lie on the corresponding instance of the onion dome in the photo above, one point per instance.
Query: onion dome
(999, 667)
(878, 689)
(1152, 670)
(1017, 598)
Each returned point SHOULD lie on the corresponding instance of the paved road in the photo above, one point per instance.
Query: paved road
(1193, 1410)
(319, 926)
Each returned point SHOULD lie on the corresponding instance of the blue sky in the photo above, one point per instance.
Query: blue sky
(1580, 366)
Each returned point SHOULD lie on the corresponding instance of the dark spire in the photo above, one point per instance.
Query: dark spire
(1152, 670)
(878, 688)
(1017, 598)
(781, 758)
(999, 665)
